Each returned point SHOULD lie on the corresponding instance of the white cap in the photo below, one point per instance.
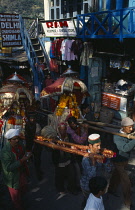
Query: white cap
(11, 133)
(127, 121)
(93, 138)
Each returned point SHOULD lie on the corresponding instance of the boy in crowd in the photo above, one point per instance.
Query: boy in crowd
(97, 187)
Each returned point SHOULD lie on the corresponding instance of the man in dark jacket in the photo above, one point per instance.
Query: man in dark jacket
(63, 165)
(31, 130)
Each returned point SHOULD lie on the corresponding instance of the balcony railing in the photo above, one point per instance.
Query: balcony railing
(107, 24)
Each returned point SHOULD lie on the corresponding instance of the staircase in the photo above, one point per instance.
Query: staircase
(35, 50)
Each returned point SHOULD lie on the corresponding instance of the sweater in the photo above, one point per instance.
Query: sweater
(124, 146)
(11, 165)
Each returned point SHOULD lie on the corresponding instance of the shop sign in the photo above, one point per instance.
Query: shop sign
(110, 100)
(10, 30)
(61, 28)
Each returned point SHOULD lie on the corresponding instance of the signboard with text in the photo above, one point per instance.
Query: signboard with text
(10, 30)
(64, 28)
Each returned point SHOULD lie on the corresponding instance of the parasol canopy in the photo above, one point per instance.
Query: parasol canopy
(64, 84)
(16, 78)
(69, 72)
(10, 93)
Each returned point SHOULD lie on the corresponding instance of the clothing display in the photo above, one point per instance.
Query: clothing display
(86, 53)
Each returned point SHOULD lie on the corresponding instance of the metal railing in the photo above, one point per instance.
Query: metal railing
(107, 24)
(44, 52)
(29, 30)
(31, 54)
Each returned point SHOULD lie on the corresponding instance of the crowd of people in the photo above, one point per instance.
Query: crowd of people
(93, 175)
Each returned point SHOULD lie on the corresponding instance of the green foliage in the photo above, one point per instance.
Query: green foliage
(26, 8)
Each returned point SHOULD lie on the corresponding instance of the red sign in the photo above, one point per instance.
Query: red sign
(110, 100)
(10, 30)
(57, 24)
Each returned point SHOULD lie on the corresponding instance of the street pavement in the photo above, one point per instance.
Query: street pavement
(43, 195)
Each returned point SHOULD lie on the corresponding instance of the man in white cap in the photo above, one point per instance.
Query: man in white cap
(14, 166)
(92, 166)
(124, 146)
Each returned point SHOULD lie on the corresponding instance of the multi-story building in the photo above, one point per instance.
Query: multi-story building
(61, 9)
(109, 26)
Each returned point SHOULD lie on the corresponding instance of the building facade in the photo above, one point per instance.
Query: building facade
(61, 9)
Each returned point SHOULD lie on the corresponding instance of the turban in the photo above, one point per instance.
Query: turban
(127, 122)
(94, 138)
(11, 133)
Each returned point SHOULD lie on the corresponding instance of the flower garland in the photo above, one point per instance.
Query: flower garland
(68, 101)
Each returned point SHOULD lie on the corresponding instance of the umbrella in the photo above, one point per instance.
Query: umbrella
(61, 85)
(10, 93)
(69, 72)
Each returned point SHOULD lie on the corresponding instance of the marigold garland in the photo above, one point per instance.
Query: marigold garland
(68, 101)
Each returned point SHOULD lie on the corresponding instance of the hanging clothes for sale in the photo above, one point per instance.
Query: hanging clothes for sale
(76, 48)
(62, 49)
(86, 53)
(52, 50)
(69, 55)
(58, 48)
(84, 60)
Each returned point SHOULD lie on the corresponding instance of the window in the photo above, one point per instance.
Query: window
(103, 5)
(52, 3)
(113, 5)
(86, 8)
(70, 11)
(64, 9)
(57, 2)
(78, 9)
(65, 12)
(57, 13)
(65, 15)
(70, 1)
(52, 13)
(125, 3)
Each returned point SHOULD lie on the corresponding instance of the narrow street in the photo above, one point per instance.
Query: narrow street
(43, 195)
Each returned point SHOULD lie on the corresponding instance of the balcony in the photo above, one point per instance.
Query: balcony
(118, 24)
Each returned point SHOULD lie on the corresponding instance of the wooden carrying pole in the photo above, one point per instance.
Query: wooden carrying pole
(63, 148)
(82, 147)
(99, 123)
(73, 148)
(129, 136)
